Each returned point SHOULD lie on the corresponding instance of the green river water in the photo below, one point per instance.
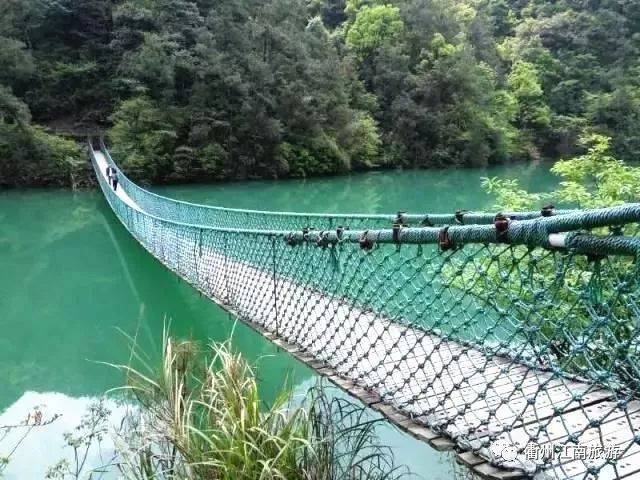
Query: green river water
(72, 279)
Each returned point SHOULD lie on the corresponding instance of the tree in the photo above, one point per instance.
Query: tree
(30, 156)
(594, 179)
(533, 115)
(617, 114)
(144, 139)
(16, 63)
(525, 86)
(373, 28)
(12, 110)
(452, 111)
(240, 89)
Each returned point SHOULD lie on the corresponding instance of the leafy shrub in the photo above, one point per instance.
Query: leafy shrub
(30, 156)
(571, 311)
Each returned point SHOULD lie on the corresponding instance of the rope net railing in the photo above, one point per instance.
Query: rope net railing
(521, 334)
(207, 215)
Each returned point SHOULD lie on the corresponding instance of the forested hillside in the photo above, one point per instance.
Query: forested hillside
(202, 90)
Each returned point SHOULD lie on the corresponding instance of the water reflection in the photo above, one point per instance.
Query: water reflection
(71, 279)
(436, 191)
(422, 461)
(34, 449)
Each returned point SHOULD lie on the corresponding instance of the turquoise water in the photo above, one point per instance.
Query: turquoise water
(414, 191)
(73, 280)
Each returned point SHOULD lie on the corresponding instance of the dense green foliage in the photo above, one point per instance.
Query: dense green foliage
(200, 90)
(29, 155)
(565, 327)
(595, 179)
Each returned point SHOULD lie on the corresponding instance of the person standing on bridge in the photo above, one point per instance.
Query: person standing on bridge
(114, 179)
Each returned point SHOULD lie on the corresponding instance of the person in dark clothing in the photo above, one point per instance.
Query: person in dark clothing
(109, 171)
(112, 177)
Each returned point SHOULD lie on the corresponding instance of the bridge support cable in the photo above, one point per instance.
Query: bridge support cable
(515, 342)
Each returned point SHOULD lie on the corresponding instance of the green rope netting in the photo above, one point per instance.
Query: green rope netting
(206, 215)
(492, 334)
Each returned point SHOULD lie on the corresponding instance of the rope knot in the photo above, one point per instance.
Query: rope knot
(445, 242)
(305, 232)
(460, 216)
(365, 242)
(501, 223)
(290, 240)
(595, 257)
(396, 232)
(426, 222)
(547, 210)
(323, 240)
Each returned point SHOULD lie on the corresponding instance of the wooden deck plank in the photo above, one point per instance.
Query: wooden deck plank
(469, 459)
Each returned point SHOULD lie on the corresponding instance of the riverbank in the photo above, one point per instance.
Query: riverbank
(74, 171)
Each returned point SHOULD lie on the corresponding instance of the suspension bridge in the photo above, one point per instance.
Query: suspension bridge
(512, 339)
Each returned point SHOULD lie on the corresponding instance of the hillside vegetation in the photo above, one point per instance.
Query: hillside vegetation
(203, 90)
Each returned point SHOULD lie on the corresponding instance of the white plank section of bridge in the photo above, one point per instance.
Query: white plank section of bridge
(469, 397)
(101, 161)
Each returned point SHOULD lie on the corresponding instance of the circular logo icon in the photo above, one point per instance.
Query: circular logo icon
(504, 450)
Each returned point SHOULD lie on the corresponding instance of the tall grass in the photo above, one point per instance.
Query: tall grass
(201, 417)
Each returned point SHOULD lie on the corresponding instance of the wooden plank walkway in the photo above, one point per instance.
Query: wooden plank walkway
(475, 404)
